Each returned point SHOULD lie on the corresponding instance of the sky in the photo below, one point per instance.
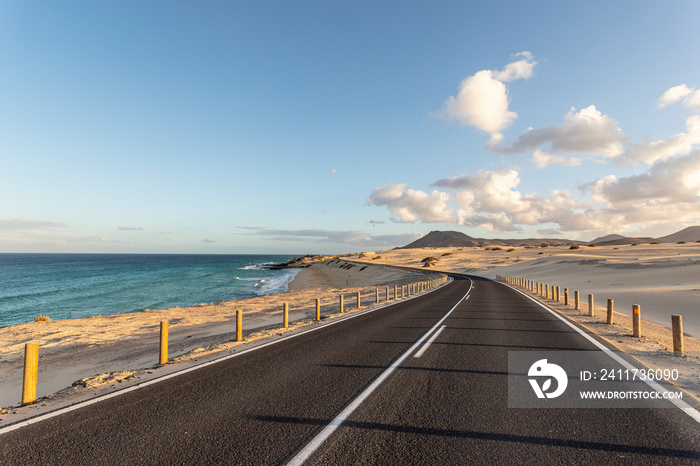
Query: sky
(331, 127)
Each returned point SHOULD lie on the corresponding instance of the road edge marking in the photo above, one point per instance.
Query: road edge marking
(680, 404)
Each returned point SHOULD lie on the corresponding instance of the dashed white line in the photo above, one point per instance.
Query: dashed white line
(317, 441)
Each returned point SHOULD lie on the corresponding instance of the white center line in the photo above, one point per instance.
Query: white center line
(317, 441)
(427, 343)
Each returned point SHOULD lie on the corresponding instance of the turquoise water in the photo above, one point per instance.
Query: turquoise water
(68, 286)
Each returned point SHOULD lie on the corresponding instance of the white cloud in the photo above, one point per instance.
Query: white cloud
(650, 151)
(20, 224)
(486, 191)
(543, 159)
(689, 96)
(585, 132)
(668, 191)
(482, 100)
(128, 228)
(351, 237)
(487, 199)
(668, 183)
(521, 69)
(409, 205)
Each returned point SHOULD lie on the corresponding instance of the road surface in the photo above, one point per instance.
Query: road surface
(383, 405)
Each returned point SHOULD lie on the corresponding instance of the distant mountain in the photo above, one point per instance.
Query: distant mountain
(602, 239)
(689, 234)
(456, 239)
(443, 239)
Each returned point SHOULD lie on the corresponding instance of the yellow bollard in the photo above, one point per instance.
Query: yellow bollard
(285, 318)
(591, 306)
(341, 304)
(163, 343)
(318, 309)
(239, 325)
(577, 305)
(677, 328)
(636, 321)
(386, 294)
(376, 290)
(31, 367)
(611, 304)
(359, 304)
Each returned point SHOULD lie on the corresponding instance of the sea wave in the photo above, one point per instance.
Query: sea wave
(277, 284)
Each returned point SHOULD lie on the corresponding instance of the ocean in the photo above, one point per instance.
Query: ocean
(69, 286)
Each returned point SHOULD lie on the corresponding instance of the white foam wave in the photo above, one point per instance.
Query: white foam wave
(275, 284)
(261, 266)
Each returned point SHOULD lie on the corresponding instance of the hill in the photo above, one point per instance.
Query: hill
(602, 239)
(456, 239)
(689, 234)
(443, 239)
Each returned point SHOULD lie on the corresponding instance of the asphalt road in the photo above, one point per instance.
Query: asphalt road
(450, 406)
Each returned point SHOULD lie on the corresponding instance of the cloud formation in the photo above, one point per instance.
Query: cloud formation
(650, 151)
(128, 228)
(482, 100)
(486, 199)
(587, 131)
(348, 237)
(681, 93)
(542, 159)
(20, 224)
(668, 190)
(410, 205)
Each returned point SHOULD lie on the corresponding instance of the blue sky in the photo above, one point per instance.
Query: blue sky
(305, 127)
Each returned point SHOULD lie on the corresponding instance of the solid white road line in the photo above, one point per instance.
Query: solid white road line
(317, 441)
(427, 343)
(685, 407)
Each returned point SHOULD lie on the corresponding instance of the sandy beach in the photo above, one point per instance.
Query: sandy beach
(77, 350)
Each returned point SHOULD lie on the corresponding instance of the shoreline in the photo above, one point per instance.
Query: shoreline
(71, 350)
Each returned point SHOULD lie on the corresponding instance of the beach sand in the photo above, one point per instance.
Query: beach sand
(127, 344)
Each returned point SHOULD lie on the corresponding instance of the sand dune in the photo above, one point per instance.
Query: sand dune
(663, 279)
